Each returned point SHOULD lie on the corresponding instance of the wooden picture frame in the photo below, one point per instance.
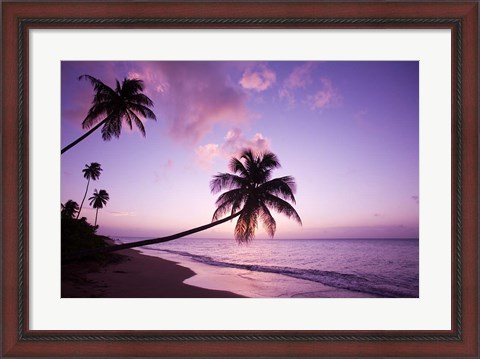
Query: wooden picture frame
(460, 17)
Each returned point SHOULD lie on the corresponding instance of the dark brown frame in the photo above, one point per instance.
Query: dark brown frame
(461, 17)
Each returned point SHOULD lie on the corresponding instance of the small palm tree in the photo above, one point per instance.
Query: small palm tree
(98, 200)
(111, 107)
(250, 195)
(91, 172)
(69, 209)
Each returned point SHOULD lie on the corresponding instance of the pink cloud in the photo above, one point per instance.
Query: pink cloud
(259, 79)
(205, 155)
(193, 96)
(300, 77)
(235, 142)
(325, 97)
(190, 97)
(154, 80)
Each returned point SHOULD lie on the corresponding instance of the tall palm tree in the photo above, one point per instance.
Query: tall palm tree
(111, 107)
(98, 200)
(69, 209)
(250, 195)
(90, 172)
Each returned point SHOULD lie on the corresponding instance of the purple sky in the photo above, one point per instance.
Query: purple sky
(347, 131)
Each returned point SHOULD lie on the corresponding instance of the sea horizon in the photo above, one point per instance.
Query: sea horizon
(270, 239)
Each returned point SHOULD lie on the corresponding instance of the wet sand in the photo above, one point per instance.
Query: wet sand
(133, 275)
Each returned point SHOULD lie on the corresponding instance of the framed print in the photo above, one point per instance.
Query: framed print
(180, 234)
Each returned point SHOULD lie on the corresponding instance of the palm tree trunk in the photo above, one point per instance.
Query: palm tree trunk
(83, 200)
(66, 148)
(147, 242)
(96, 215)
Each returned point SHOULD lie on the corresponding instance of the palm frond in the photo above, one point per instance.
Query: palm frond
(142, 110)
(118, 88)
(128, 119)
(131, 87)
(92, 171)
(246, 225)
(223, 181)
(140, 99)
(112, 127)
(236, 166)
(103, 96)
(96, 83)
(69, 209)
(268, 221)
(230, 201)
(283, 207)
(95, 113)
(231, 196)
(284, 187)
(269, 160)
(99, 198)
(249, 162)
(139, 125)
(221, 211)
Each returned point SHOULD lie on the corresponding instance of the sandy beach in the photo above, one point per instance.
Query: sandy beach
(133, 275)
(138, 274)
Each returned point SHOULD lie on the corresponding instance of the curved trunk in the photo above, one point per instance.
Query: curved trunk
(147, 242)
(83, 200)
(66, 148)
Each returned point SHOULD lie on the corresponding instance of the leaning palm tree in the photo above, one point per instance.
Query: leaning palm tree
(251, 195)
(69, 209)
(90, 172)
(111, 107)
(98, 200)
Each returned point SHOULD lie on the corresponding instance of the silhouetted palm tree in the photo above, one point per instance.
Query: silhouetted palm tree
(98, 200)
(90, 172)
(250, 196)
(69, 209)
(111, 107)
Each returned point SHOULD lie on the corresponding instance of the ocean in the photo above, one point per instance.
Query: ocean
(270, 268)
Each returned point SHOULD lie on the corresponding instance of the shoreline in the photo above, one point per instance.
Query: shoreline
(254, 284)
(133, 275)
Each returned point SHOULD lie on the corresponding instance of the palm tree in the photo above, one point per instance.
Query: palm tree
(250, 195)
(98, 200)
(69, 209)
(111, 107)
(90, 172)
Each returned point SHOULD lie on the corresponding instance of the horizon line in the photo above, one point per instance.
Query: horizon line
(266, 239)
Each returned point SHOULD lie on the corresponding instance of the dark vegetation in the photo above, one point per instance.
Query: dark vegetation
(79, 235)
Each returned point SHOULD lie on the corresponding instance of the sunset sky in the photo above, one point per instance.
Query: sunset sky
(347, 131)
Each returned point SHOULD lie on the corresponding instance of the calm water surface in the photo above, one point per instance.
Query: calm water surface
(378, 267)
